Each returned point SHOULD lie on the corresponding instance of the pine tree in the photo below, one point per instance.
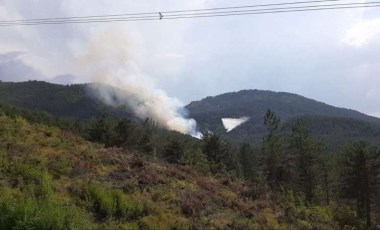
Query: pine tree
(361, 177)
(273, 150)
(216, 149)
(101, 131)
(145, 143)
(248, 161)
(173, 151)
(194, 157)
(307, 155)
(123, 133)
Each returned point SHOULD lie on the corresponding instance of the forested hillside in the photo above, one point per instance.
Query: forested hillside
(325, 121)
(336, 126)
(73, 101)
(138, 176)
(337, 132)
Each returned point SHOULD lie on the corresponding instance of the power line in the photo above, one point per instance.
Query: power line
(226, 13)
(209, 14)
(170, 12)
(274, 9)
(273, 12)
(105, 19)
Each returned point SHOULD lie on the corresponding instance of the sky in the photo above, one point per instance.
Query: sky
(329, 56)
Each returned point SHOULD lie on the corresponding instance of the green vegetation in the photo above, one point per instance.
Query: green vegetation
(114, 173)
(20, 210)
(337, 132)
(149, 178)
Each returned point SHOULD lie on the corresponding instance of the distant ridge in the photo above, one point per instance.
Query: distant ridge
(252, 101)
(208, 113)
(72, 101)
(336, 126)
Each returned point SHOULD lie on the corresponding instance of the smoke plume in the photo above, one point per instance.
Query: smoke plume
(109, 60)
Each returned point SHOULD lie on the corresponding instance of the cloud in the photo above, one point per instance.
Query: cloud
(362, 33)
(373, 94)
(14, 68)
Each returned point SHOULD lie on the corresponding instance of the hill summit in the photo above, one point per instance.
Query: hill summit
(210, 111)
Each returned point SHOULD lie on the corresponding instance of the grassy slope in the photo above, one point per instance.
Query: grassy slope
(54, 180)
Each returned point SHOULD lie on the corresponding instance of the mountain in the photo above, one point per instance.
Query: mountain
(324, 121)
(336, 126)
(72, 101)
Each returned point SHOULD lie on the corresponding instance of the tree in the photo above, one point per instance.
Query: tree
(248, 161)
(361, 177)
(145, 143)
(307, 155)
(123, 133)
(273, 150)
(216, 149)
(194, 157)
(101, 131)
(327, 170)
(173, 151)
(271, 121)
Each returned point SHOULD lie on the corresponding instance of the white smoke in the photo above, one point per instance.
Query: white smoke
(232, 123)
(109, 60)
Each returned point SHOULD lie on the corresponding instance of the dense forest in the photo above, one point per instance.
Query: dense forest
(113, 173)
(334, 126)
(337, 126)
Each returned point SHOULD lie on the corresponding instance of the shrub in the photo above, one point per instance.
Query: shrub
(164, 221)
(3, 161)
(118, 226)
(113, 203)
(101, 200)
(192, 205)
(21, 211)
(244, 223)
(196, 159)
(60, 166)
(314, 217)
(36, 181)
(128, 209)
(345, 216)
(268, 220)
